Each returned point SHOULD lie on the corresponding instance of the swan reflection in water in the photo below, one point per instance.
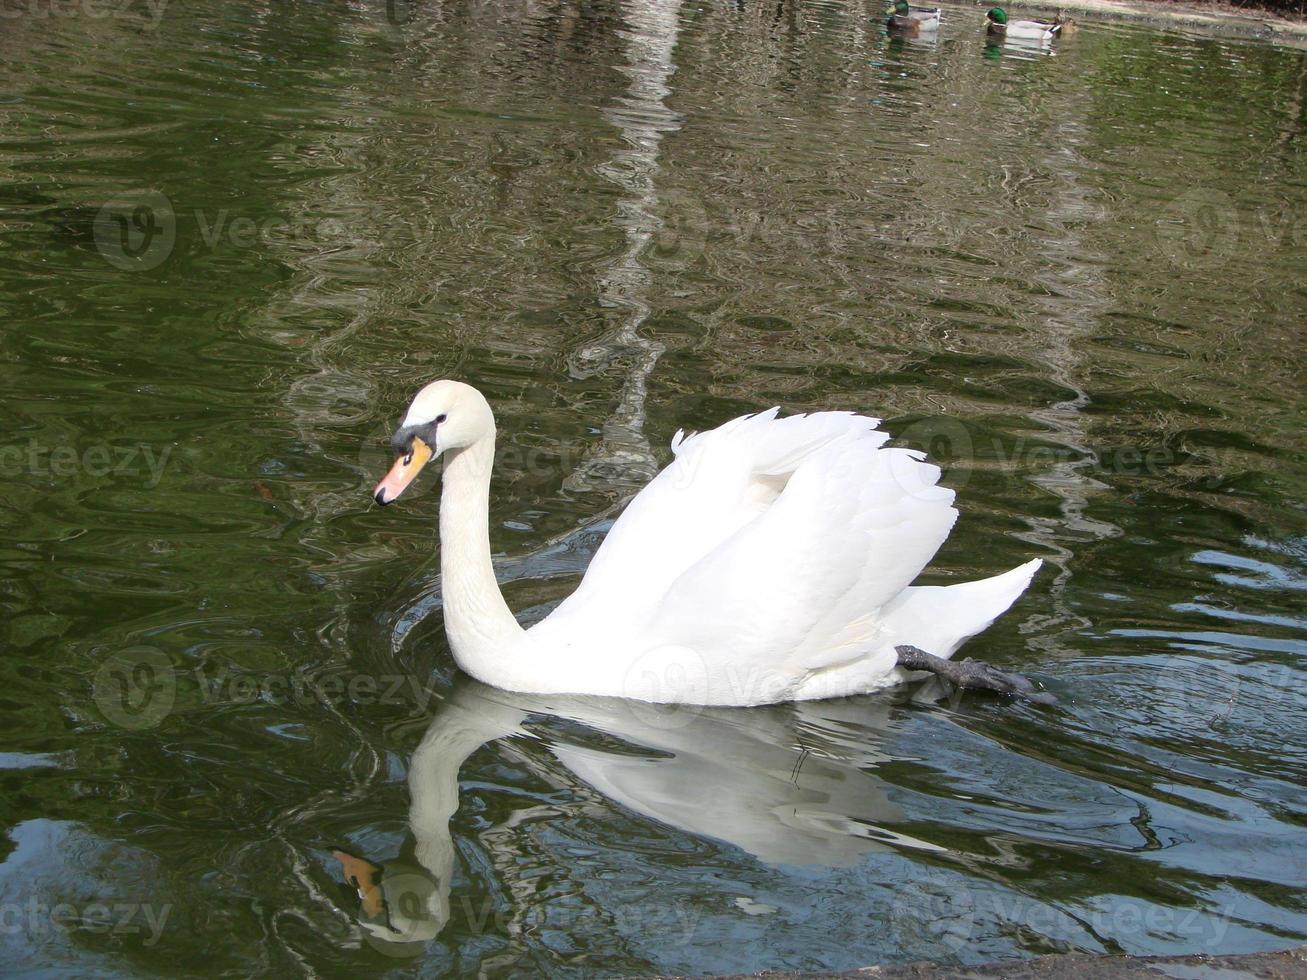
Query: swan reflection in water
(789, 784)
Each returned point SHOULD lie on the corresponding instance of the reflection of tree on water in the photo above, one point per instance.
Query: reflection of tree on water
(1075, 274)
(623, 457)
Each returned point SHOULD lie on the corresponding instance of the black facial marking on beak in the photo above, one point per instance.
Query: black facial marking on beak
(402, 441)
(380, 498)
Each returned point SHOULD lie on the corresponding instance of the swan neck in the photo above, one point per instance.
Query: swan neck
(480, 627)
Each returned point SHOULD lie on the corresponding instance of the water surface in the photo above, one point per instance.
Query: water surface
(237, 237)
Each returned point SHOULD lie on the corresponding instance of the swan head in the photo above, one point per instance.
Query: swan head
(445, 415)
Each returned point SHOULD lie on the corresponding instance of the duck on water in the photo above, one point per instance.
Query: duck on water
(906, 19)
(1022, 30)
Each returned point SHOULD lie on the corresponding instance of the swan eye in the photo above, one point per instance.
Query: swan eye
(441, 417)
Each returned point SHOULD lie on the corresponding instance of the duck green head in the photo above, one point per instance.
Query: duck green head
(997, 15)
(902, 8)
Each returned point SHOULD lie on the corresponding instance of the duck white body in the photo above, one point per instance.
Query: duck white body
(916, 19)
(1022, 30)
(1031, 30)
(772, 560)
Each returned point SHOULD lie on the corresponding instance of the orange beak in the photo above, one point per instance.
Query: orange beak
(404, 471)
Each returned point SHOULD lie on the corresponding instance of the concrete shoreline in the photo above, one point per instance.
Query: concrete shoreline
(1174, 15)
(1286, 964)
(1217, 20)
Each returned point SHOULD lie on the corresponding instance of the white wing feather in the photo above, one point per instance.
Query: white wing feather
(852, 529)
(779, 553)
(719, 481)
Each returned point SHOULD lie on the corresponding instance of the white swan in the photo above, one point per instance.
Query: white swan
(771, 561)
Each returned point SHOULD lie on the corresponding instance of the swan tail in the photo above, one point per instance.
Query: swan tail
(937, 619)
(940, 618)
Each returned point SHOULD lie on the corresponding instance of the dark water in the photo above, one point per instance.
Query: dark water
(235, 238)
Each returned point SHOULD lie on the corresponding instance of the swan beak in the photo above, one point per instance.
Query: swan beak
(406, 468)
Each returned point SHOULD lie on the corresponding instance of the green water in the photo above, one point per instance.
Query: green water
(234, 240)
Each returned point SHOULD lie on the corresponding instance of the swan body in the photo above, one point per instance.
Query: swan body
(771, 561)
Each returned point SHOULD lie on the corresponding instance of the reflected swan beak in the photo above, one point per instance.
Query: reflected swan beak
(366, 879)
(404, 471)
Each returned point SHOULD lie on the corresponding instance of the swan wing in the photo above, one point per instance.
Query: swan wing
(719, 482)
(773, 601)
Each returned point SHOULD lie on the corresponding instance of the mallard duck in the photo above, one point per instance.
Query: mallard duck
(913, 20)
(771, 561)
(1033, 30)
